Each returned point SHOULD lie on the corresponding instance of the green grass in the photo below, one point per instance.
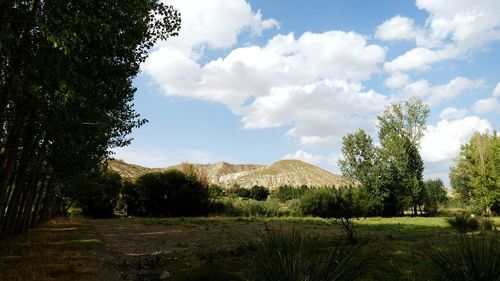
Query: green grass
(214, 248)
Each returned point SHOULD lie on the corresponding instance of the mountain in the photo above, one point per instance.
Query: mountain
(283, 172)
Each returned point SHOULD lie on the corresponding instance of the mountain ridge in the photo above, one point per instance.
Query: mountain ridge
(283, 172)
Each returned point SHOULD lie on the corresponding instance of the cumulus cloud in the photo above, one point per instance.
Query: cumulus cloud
(452, 113)
(305, 156)
(310, 82)
(397, 80)
(496, 92)
(320, 113)
(420, 58)
(253, 71)
(452, 28)
(396, 28)
(442, 141)
(436, 94)
(214, 23)
(486, 105)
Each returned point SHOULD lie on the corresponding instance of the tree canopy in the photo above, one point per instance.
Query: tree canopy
(66, 94)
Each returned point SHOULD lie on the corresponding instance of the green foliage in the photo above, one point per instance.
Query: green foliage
(66, 95)
(467, 258)
(287, 255)
(287, 192)
(238, 191)
(216, 191)
(171, 193)
(333, 203)
(476, 173)
(343, 204)
(434, 194)
(259, 193)
(463, 222)
(487, 224)
(98, 198)
(249, 208)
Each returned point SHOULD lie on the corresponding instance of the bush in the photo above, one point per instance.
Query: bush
(463, 222)
(215, 191)
(434, 194)
(238, 191)
(171, 193)
(248, 208)
(467, 258)
(286, 192)
(487, 225)
(288, 255)
(259, 193)
(342, 204)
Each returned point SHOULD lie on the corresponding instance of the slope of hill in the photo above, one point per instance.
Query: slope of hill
(290, 172)
(284, 172)
(219, 170)
(127, 170)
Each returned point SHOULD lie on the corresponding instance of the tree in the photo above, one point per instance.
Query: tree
(171, 193)
(401, 127)
(361, 164)
(476, 173)
(66, 94)
(434, 194)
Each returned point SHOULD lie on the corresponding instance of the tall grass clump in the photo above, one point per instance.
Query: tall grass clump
(463, 222)
(287, 256)
(467, 258)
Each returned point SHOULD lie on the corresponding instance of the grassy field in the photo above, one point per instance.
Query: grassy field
(213, 248)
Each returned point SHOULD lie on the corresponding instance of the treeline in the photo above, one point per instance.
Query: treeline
(65, 95)
(174, 193)
(475, 177)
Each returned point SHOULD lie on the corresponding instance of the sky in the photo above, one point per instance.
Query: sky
(256, 81)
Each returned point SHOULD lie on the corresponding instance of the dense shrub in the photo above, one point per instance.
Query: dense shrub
(259, 193)
(248, 208)
(131, 199)
(216, 191)
(463, 222)
(434, 194)
(238, 191)
(98, 198)
(171, 193)
(287, 192)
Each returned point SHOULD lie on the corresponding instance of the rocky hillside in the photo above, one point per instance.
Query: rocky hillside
(284, 172)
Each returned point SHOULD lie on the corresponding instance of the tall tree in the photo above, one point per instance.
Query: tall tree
(66, 93)
(476, 173)
(401, 128)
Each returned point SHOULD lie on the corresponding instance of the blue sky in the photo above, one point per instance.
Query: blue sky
(257, 81)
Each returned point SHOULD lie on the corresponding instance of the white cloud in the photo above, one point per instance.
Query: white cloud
(305, 156)
(420, 58)
(253, 71)
(452, 113)
(397, 80)
(442, 141)
(214, 23)
(436, 94)
(311, 83)
(320, 112)
(496, 92)
(396, 28)
(466, 23)
(486, 105)
(451, 30)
